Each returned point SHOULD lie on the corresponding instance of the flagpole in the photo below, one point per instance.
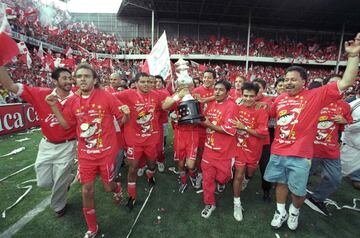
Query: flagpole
(248, 44)
(152, 28)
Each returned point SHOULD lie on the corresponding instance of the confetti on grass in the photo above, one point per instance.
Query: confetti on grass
(23, 139)
(19, 186)
(18, 150)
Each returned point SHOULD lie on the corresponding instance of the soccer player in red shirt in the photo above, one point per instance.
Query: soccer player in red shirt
(204, 94)
(92, 112)
(251, 125)
(219, 144)
(186, 139)
(332, 119)
(57, 149)
(142, 131)
(297, 113)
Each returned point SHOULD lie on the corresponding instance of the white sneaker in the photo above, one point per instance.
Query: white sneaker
(161, 167)
(278, 219)
(244, 184)
(238, 212)
(141, 171)
(198, 181)
(91, 234)
(206, 213)
(293, 221)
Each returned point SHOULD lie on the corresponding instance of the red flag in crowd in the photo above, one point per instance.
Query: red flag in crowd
(8, 47)
(53, 30)
(83, 51)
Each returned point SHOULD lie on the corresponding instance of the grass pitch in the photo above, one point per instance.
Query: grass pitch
(167, 213)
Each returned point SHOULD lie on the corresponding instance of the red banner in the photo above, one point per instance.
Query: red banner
(17, 117)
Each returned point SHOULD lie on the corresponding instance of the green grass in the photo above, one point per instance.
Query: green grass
(180, 213)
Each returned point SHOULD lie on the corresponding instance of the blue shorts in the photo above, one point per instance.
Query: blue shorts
(293, 171)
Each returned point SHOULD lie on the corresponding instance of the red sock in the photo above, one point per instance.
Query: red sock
(183, 177)
(118, 188)
(150, 173)
(132, 189)
(90, 217)
(192, 173)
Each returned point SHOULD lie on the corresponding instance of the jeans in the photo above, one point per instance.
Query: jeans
(330, 177)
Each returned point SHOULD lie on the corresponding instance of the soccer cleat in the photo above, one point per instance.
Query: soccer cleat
(220, 187)
(278, 219)
(238, 212)
(316, 206)
(182, 187)
(206, 213)
(244, 184)
(141, 171)
(131, 203)
(61, 212)
(91, 234)
(198, 181)
(293, 221)
(151, 181)
(161, 167)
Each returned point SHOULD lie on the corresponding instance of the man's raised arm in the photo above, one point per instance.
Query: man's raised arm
(352, 49)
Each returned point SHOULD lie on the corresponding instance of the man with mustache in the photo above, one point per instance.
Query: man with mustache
(57, 148)
(289, 163)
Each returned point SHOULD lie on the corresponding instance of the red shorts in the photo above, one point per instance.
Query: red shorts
(87, 172)
(135, 152)
(246, 158)
(185, 144)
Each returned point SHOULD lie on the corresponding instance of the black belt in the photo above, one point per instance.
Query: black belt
(59, 142)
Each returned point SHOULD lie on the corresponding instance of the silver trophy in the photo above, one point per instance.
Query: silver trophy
(189, 109)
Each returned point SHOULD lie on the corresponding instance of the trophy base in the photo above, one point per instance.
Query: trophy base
(185, 121)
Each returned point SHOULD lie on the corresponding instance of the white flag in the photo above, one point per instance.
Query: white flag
(158, 61)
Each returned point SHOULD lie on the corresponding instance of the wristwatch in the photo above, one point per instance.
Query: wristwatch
(246, 128)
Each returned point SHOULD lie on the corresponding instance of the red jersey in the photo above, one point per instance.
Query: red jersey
(142, 128)
(296, 120)
(161, 114)
(253, 119)
(110, 89)
(49, 124)
(220, 145)
(326, 143)
(204, 93)
(93, 117)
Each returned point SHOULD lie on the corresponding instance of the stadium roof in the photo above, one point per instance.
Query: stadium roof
(309, 14)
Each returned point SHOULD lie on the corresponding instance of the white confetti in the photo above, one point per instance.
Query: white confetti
(158, 217)
(23, 139)
(18, 150)
(277, 235)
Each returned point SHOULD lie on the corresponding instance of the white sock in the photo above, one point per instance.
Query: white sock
(293, 209)
(237, 200)
(281, 208)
